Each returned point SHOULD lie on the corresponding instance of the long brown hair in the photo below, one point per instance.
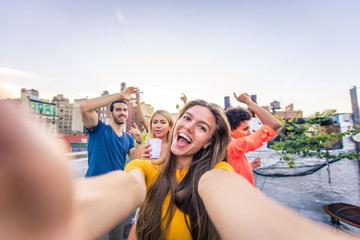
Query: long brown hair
(184, 194)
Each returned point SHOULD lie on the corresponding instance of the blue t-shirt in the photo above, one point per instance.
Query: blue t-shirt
(106, 151)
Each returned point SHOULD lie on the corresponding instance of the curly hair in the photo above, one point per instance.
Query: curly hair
(237, 115)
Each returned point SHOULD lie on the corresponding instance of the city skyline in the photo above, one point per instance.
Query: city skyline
(55, 97)
(300, 52)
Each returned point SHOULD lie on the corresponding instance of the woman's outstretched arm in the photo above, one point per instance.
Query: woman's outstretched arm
(238, 211)
(106, 200)
(40, 200)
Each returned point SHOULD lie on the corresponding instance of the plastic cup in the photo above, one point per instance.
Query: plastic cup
(155, 145)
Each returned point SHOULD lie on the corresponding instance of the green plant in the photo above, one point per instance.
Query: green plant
(300, 137)
(320, 118)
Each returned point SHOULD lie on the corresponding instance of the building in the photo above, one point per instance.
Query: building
(65, 112)
(77, 141)
(103, 112)
(289, 112)
(25, 93)
(131, 115)
(77, 125)
(45, 114)
(42, 111)
(226, 102)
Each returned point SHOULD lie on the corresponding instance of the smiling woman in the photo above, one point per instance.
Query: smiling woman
(161, 123)
(173, 208)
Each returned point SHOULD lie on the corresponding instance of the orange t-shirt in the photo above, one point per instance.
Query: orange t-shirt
(238, 147)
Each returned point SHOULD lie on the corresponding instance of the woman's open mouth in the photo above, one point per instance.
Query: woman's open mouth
(183, 140)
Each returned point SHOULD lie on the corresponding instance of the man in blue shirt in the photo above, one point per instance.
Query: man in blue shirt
(109, 144)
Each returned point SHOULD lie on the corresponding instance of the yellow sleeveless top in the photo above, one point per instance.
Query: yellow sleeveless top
(178, 228)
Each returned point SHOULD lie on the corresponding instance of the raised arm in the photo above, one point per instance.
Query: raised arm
(88, 107)
(183, 98)
(265, 117)
(238, 211)
(140, 113)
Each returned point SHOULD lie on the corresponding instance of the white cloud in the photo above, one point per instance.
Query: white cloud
(121, 18)
(119, 15)
(17, 73)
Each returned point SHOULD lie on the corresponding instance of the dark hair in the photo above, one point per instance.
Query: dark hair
(118, 101)
(237, 115)
(184, 195)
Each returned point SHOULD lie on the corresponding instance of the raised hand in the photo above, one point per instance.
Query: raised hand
(256, 163)
(135, 132)
(127, 92)
(146, 152)
(244, 98)
(183, 98)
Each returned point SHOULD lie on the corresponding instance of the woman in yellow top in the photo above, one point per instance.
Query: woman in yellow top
(173, 208)
(40, 200)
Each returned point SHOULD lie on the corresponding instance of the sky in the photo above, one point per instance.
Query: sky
(304, 52)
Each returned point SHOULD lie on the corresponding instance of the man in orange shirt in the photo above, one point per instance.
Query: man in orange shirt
(243, 140)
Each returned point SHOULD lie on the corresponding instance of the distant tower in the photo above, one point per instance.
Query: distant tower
(25, 93)
(254, 98)
(227, 102)
(123, 86)
(275, 105)
(355, 108)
